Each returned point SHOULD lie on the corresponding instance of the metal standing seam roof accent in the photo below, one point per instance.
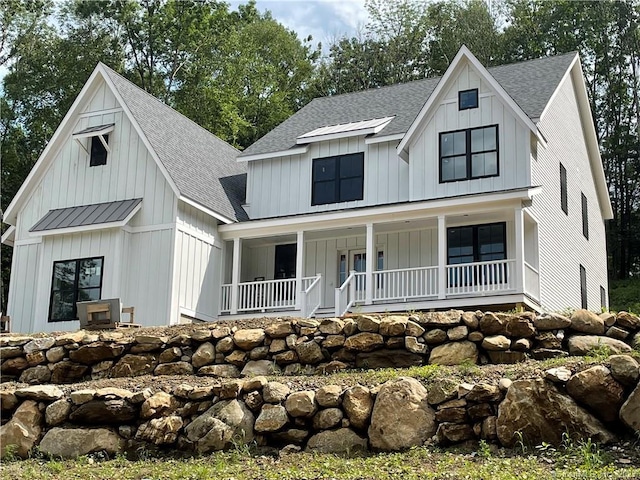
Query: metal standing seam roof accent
(83, 215)
(95, 129)
(530, 84)
(347, 127)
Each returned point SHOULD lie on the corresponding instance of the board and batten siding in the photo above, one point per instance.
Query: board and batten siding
(282, 186)
(198, 264)
(137, 262)
(513, 142)
(563, 248)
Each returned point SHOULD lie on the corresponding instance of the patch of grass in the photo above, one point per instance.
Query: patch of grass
(598, 354)
(625, 295)
(414, 464)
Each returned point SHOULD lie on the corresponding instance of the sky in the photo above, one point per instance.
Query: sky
(324, 20)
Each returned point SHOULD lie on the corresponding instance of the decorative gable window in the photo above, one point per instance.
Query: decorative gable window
(468, 99)
(98, 150)
(468, 154)
(338, 179)
(74, 281)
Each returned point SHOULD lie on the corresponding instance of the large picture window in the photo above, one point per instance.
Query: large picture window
(338, 179)
(476, 243)
(468, 154)
(74, 281)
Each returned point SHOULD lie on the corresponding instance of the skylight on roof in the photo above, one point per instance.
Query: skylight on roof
(364, 127)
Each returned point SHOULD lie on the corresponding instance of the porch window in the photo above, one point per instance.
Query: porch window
(338, 179)
(285, 261)
(98, 151)
(468, 154)
(74, 281)
(476, 243)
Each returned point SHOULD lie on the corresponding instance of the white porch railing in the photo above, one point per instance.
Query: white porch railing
(311, 295)
(405, 283)
(266, 295)
(480, 277)
(346, 295)
(531, 281)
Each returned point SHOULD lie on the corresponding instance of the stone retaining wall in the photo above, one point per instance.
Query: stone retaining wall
(601, 403)
(312, 346)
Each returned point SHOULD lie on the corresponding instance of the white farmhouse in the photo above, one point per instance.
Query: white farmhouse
(478, 189)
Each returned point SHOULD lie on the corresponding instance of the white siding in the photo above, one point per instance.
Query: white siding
(513, 143)
(138, 263)
(198, 265)
(563, 248)
(282, 186)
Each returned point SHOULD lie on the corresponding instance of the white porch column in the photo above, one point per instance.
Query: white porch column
(370, 258)
(442, 257)
(299, 268)
(519, 250)
(235, 274)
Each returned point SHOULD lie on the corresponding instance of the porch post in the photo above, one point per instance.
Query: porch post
(368, 292)
(235, 274)
(299, 268)
(442, 257)
(519, 250)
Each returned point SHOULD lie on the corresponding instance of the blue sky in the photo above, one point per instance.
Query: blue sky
(323, 19)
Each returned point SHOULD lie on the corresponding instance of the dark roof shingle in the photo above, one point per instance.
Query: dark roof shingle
(529, 83)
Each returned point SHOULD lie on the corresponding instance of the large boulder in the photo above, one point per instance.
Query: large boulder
(630, 411)
(20, 434)
(386, 358)
(454, 353)
(541, 413)
(583, 344)
(159, 404)
(628, 320)
(393, 325)
(57, 412)
(225, 423)
(302, 404)
(74, 442)
(133, 365)
(551, 321)
(204, 355)
(401, 416)
(99, 412)
(357, 404)
(47, 393)
(329, 396)
(160, 431)
(271, 418)
(444, 320)
(96, 352)
(624, 369)
(249, 338)
(341, 441)
(309, 352)
(275, 392)
(587, 322)
(364, 342)
(596, 388)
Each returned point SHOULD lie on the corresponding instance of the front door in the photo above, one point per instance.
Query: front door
(357, 260)
(285, 261)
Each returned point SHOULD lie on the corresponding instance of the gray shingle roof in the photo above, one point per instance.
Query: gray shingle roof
(202, 166)
(530, 84)
(83, 215)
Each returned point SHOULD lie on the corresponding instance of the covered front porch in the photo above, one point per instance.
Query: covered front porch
(381, 260)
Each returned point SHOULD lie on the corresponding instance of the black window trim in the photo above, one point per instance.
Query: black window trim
(585, 216)
(475, 239)
(75, 286)
(337, 180)
(564, 201)
(468, 153)
(94, 162)
(460, 108)
(583, 287)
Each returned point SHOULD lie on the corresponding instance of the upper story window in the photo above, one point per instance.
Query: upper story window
(98, 145)
(74, 281)
(468, 99)
(338, 179)
(585, 217)
(468, 154)
(98, 151)
(564, 204)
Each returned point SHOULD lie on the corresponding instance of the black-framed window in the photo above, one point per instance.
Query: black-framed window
(583, 287)
(468, 99)
(468, 154)
(564, 204)
(338, 179)
(98, 152)
(476, 243)
(585, 216)
(285, 261)
(74, 281)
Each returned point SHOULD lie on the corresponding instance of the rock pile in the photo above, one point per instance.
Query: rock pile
(601, 402)
(317, 346)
